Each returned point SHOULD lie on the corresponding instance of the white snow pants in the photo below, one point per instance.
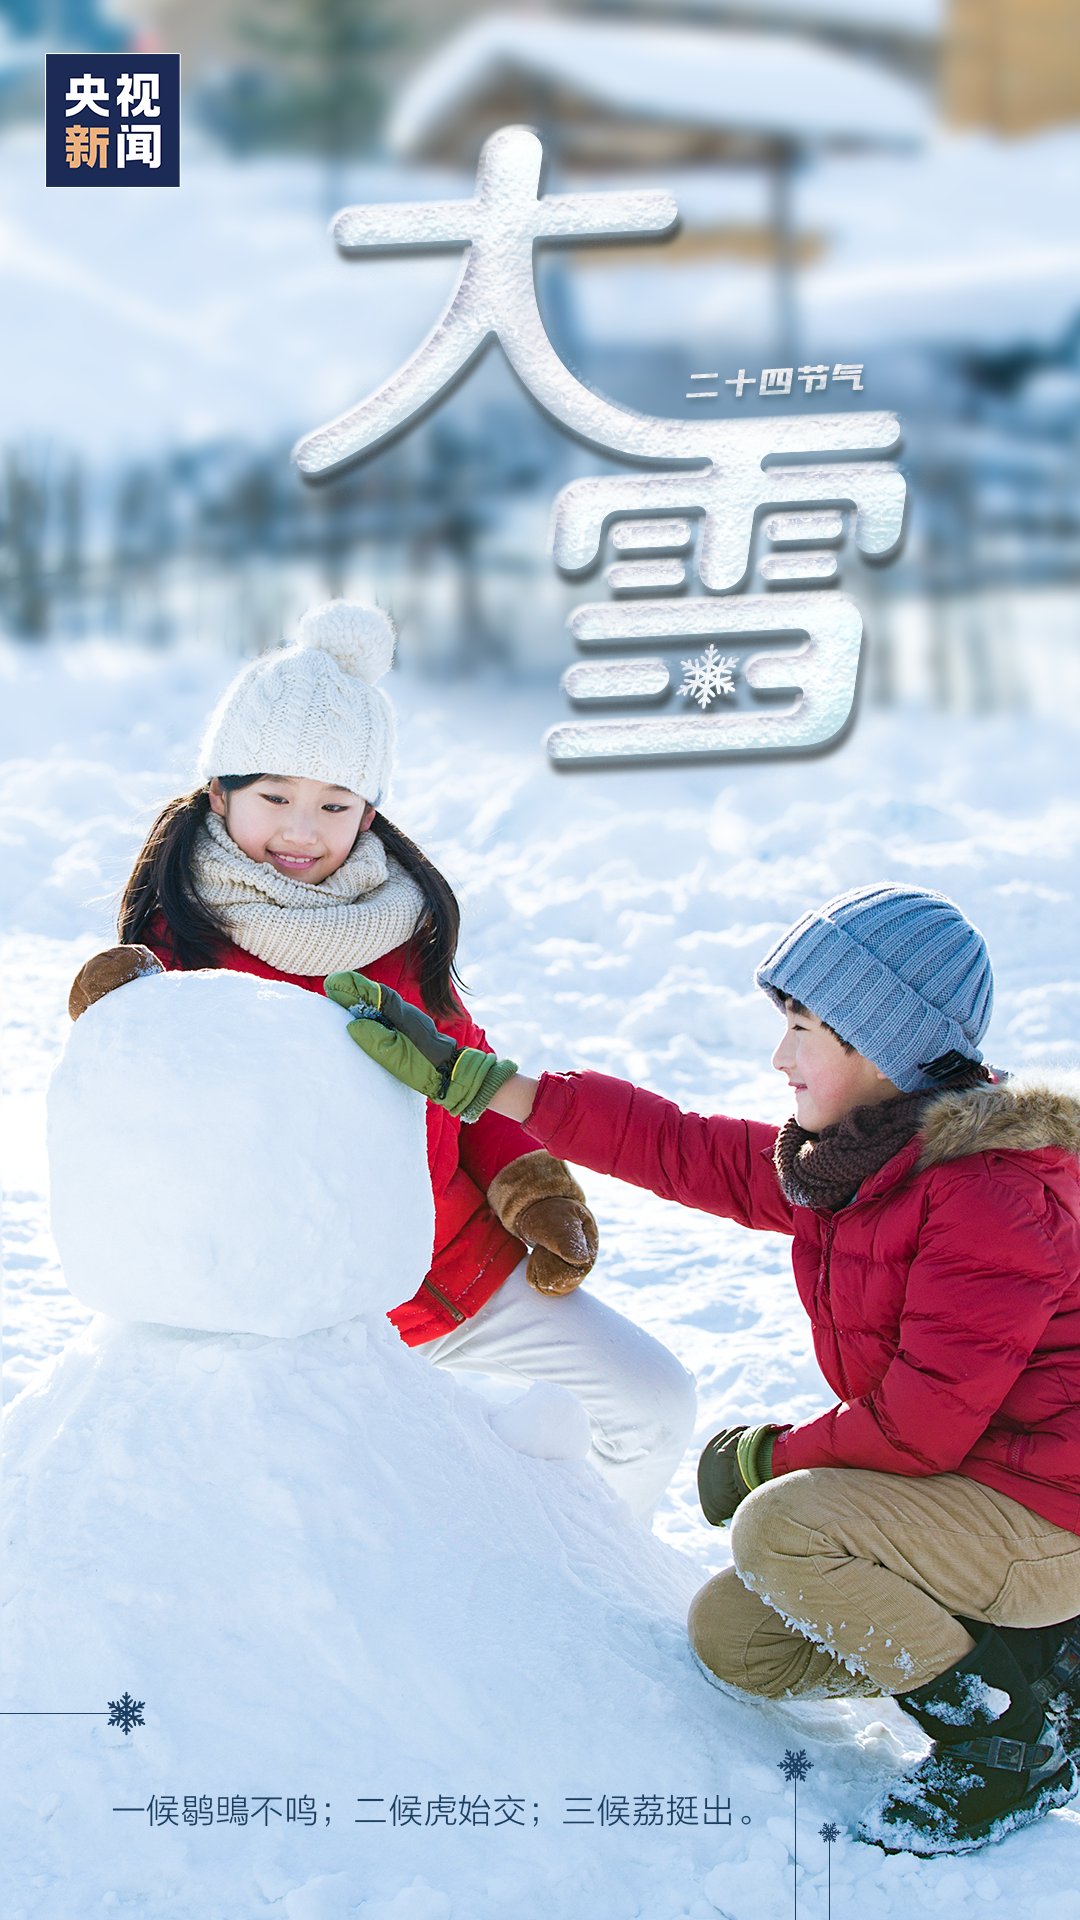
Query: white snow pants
(640, 1400)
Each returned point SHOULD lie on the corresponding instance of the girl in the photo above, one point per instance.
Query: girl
(280, 864)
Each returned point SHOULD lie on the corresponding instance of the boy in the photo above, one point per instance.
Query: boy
(901, 1542)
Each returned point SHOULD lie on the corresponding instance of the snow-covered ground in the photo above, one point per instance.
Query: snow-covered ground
(611, 919)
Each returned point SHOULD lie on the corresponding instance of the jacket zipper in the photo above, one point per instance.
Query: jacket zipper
(455, 1312)
(826, 1248)
(823, 1275)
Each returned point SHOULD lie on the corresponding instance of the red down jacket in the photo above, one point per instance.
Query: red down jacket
(473, 1251)
(944, 1299)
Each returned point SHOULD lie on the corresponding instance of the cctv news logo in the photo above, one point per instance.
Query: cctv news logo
(112, 119)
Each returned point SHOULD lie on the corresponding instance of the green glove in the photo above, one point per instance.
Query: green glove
(404, 1040)
(736, 1460)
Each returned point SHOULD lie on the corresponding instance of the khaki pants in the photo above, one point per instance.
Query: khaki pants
(848, 1581)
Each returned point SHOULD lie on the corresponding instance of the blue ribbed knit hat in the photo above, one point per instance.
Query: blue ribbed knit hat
(898, 972)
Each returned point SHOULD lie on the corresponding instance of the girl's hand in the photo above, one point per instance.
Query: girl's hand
(562, 1234)
(409, 1045)
(537, 1198)
(105, 971)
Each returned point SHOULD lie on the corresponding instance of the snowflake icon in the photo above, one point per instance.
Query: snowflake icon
(795, 1765)
(707, 676)
(126, 1713)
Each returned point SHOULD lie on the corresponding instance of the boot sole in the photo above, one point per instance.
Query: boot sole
(1056, 1792)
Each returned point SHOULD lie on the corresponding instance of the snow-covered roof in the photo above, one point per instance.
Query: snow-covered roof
(971, 239)
(769, 84)
(906, 19)
(968, 243)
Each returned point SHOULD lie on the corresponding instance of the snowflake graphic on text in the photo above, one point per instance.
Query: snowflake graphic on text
(708, 675)
(126, 1713)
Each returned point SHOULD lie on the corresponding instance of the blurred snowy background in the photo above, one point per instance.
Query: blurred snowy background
(889, 183)
(883, 183)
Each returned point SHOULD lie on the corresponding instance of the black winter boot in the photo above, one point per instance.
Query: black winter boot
(991, 1768)
(1050, 1659)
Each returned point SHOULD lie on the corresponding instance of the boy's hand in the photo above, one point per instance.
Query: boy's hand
(736, 1460)
(404, 1040)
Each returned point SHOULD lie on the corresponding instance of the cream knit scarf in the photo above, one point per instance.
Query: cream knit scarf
(365, 909)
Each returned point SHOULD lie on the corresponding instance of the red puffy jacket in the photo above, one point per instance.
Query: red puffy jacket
(473, 1251)
(944, 1299)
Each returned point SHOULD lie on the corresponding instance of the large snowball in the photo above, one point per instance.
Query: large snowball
(223, 1157)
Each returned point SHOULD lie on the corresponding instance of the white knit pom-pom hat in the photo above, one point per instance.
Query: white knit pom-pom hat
(312, 710)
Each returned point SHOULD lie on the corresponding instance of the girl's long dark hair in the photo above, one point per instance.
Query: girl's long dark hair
(162, 882)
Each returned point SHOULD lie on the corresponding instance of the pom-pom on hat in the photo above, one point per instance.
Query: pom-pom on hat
(312, 710)
(897, 972)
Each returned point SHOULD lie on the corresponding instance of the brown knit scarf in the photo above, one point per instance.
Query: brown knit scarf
(827, 1169)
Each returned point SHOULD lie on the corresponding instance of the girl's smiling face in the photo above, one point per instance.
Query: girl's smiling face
(827, 1078)
(299, 827)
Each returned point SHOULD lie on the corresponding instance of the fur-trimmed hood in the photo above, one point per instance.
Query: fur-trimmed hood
(1018, 1116)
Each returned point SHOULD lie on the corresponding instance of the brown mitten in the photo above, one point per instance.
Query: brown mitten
(104, 971)
(538, 1200)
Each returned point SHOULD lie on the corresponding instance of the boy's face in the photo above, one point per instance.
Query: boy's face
(300, 827)
(826, 1079)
